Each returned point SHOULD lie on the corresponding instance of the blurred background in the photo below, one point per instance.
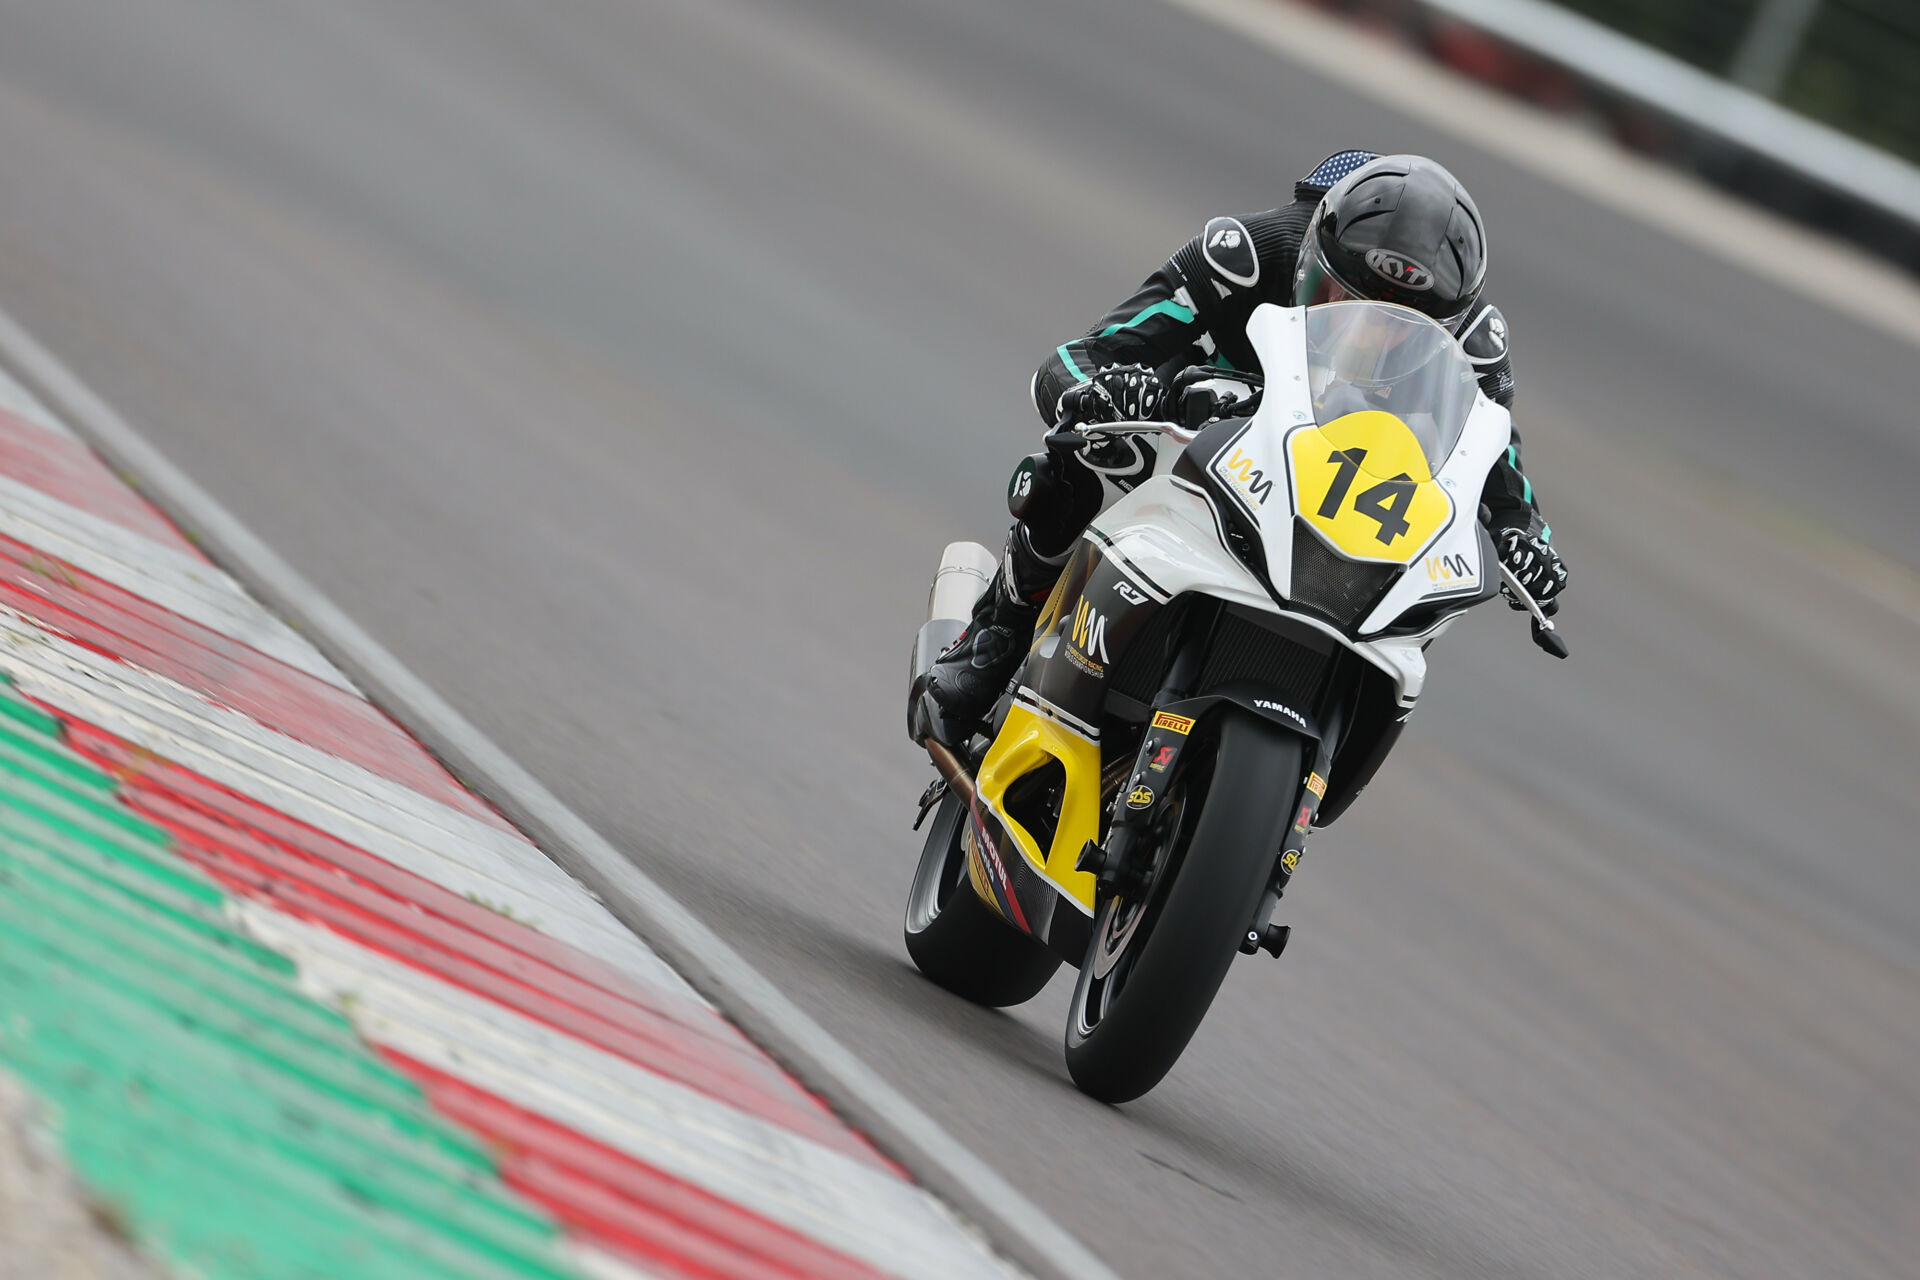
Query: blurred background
(1848, 63)
(623, 365)
(1660, 78)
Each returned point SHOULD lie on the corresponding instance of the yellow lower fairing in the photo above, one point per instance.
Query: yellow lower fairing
(1027, 741)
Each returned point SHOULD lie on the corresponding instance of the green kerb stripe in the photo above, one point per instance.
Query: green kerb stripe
(240, 1129)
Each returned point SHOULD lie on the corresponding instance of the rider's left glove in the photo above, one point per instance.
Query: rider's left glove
(1536, 564)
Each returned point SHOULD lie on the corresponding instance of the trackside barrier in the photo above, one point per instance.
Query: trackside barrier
(1655, 102)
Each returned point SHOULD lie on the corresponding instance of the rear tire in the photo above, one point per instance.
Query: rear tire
(1133, 1014)
(956, 939)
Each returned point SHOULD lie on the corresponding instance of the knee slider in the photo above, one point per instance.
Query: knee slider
(1035, 487)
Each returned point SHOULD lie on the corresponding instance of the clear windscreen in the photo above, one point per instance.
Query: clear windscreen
(1374, 355)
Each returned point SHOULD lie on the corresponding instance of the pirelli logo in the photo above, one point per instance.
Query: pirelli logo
(1172, 723)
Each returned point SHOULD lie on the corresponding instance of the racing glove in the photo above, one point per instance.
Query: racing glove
(1536, 565)
(1116, 393)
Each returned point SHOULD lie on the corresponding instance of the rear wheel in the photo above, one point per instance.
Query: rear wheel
(1158, 957)
(955, 938)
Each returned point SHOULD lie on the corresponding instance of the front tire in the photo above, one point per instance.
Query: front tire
(1155, 964)
(956, 939)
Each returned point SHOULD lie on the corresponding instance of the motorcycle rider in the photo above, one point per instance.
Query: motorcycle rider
(1396, 228)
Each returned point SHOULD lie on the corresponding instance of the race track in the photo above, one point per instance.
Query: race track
(624, 364)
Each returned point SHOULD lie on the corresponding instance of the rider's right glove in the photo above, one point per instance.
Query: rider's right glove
(1116, 393)
(1204, 394)
(1537, 566)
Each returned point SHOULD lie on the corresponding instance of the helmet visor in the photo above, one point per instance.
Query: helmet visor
(1315, 282)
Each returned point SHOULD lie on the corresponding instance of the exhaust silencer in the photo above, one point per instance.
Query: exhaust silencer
(965, 570)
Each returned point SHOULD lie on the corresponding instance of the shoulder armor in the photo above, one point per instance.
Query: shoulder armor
(1485, 337)
(1228, 248)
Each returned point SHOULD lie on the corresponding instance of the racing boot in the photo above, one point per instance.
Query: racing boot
(975, 668)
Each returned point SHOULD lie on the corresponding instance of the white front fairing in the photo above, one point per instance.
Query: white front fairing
(1169, 537)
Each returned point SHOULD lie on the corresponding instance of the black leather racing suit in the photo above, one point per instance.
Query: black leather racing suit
(1194, 310)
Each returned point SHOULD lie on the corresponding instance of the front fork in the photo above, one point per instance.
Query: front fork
(1262, 933)
(1158, 755)
(1153, 765)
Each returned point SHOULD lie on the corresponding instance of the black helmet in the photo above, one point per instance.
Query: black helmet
(1397, 229)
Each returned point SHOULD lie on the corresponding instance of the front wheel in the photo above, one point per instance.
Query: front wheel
(955, 938)
(1157, 960)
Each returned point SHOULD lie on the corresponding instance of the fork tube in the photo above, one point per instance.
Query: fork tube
(1259, 930)
(1188, 660)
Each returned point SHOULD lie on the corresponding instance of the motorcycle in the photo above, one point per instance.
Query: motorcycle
(1230, 654)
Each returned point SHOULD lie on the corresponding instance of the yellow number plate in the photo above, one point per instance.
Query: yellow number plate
(1362, 481)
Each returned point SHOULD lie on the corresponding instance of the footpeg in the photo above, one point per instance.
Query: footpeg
(1272, 940)
(932, 796)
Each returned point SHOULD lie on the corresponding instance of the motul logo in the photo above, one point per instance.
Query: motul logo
(1402, 271)
(1090, 632)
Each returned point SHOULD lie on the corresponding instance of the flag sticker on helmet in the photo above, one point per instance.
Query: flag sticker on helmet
(1337, 166)
(1399, 269)
(1228, 249)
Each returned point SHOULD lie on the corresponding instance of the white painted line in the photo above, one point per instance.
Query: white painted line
(353, 804)
(1819, 268)
(177, 582)
(848, 1205)
(600, 1265)
(17, 398)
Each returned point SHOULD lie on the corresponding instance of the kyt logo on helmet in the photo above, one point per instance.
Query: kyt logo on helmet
(1402, 271)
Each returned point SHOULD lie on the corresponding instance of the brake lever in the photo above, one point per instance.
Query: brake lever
(1544, 633)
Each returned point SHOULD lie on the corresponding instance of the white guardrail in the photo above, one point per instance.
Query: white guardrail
(1713, 106)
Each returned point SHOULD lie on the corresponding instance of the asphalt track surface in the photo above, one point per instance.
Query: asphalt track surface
(624, 365)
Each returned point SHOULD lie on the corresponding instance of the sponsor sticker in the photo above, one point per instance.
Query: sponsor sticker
(1268, 705)
(1162, 758)
(1305, 817)
(1290, 860)
(1451, 571)
(1175, 724)
(1317, 785)
(1128, 592)
(1086, 634)
(1139, 797)
(1090, 632)
(1250, 476)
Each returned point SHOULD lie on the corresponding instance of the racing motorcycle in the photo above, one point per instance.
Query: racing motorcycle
(1232, 650)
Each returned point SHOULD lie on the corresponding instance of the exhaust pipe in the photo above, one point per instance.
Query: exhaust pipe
(965, 570)
(951, 769)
